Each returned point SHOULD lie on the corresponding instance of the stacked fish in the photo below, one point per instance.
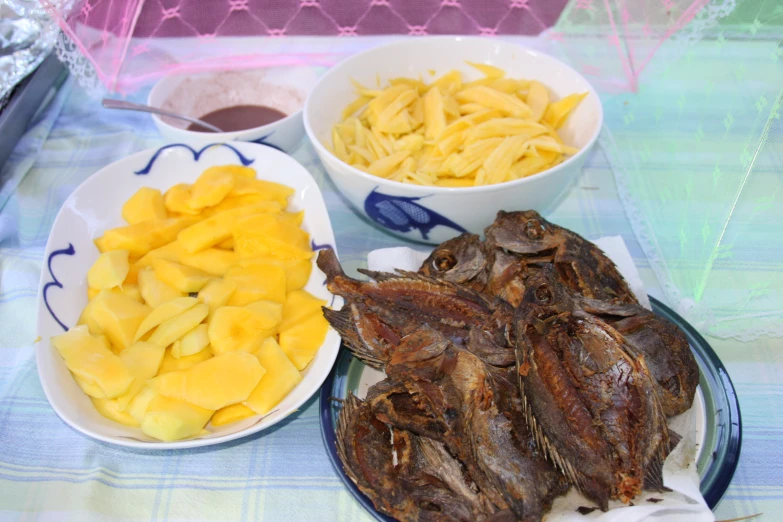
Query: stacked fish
(516, 367)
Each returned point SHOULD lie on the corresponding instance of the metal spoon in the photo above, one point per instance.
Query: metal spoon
(109, 103)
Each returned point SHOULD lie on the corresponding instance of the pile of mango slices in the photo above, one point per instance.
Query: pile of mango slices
(197, 313)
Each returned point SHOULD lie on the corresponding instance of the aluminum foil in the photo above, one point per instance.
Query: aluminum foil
(27, 35)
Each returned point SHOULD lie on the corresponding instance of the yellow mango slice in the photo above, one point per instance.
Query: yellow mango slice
(110, 409)
(298, 306)
(302, 341)
(172, 364)
(217, 228)
(256, 282)
(143, 361)
(163, 313)
(142, 237)
(183, 278)
(89, 388)
(154, 291)
(228, 244)
(270, 234)
(92, 293)
(220, 381)
(268, 189)
(146, 204)
(230, 203)
(171, 251)
(89, 358)
(133, 272)
(176, 199)
(229, 414)
(213, 261)
(239, 328)
(170, 419)
(109, 270)
(118, 316)
(210, 188)
(297, 271)
(138, 406)
(191, 343)
(133, 291)
(280, 378)
(86, 318)
(174, 328)
(216, 293)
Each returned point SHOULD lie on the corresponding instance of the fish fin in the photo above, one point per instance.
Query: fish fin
(329, 264)
(377, 276)
(653, 475)
(342, 321)
(342, 435)
(674, 439)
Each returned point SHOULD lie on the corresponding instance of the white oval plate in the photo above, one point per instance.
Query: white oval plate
(95, 206)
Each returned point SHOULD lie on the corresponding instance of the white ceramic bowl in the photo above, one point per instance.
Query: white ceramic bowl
(95, 206)
(282, 88)
(434, 214)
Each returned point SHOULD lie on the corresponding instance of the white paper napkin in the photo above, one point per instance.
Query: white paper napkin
(685, 502)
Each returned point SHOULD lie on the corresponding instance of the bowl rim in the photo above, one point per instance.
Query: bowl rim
(432, 189)
(218, 136)
(44, 345)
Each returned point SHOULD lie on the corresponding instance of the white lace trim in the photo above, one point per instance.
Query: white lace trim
(79, 66)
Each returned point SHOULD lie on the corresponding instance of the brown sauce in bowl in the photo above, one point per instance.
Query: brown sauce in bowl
(238, 117)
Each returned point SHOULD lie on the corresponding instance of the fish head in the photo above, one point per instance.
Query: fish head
(523, 232)
(544, 290)
(458, 260)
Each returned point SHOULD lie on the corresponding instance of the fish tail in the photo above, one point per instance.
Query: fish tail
(329, 264)
(653, 475)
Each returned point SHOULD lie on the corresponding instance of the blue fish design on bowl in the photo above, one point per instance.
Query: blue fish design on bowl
(404, 214)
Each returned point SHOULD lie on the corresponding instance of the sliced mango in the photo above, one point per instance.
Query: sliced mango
(229, 414)
(210, 188)
(191, 343)
(217, 228)
(239, 328)
(172, 364)
(183, 278)
(230, 203)
(133, 291)
(176, 199)
(273, 235)
(86, 318)
(302, 341)
(171, 251)
(163, 313)
(138, 406)
(215, 383)
(109, 270)
(143, 361)
(154, 291)
(110, 409)
(172, 329)
(256, 282)
(298, 306)
(297, 271)
(142, 237)
(268, 189)
(145, 205)
(280, 378)
(170, 419)
(90, 388)
(118, 316)
(213, 261)
(216, 293)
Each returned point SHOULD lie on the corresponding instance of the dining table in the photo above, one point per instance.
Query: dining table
(51, 472)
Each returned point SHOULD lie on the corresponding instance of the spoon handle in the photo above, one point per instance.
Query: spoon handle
(109, 103)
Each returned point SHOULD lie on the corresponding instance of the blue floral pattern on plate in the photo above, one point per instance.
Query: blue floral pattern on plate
(196, 155)
(55, 282)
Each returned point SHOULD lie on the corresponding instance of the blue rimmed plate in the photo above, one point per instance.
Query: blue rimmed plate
(95, 206)
(720, 426)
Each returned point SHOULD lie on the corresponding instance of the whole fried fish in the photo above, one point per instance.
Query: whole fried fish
(580, 264)
(663, 345)
(463, 260)
(408, 477)
(378, 313)
(591, 402)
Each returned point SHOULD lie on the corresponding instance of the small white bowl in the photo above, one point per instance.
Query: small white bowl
(434, 214)
(281, 88)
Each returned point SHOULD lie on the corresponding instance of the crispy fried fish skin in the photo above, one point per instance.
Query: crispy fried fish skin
(580, 264)
(423, 483)
(463, 259)
(663, 345)
(591, 402)
(455, 390)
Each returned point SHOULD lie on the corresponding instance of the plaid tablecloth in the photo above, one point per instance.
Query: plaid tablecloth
(50, 472)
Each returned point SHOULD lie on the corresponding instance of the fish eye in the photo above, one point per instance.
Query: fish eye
(534, 229)
(544, 294)
(443, 260)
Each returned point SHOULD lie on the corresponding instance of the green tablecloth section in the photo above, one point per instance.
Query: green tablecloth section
(50, 472)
